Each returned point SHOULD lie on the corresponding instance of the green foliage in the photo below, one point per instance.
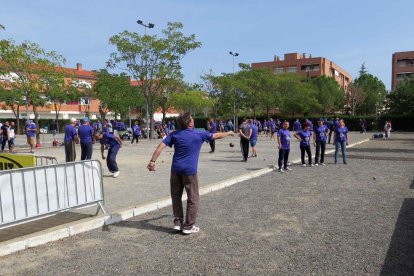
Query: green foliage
(115, 93)
(192, 101)
(330, 96)
(401, 100)
(152, 59)
(374, 93)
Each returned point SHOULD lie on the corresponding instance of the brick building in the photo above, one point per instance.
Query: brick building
(402, 67)
(307, 66)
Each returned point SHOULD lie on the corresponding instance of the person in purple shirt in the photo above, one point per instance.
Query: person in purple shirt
(71, 137)
(296, 125)
(30, 130)
(283, 141)
(187, 143)
(304, 137)
(341, 140)
(212, 128)
(319, 140)
(85, 132)
(136, 132)
(253, 138)
(115, 143)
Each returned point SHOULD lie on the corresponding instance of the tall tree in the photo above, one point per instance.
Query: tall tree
(31, 65)
(355, 98)
(152, 59)
(192, 101)
(373, 89)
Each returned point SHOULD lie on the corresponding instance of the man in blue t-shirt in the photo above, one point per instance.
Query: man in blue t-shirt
(187, 143)
(212, 128)
(85, 132)
(253, 137)
(319, 140)
(296, 125)
(283, 141)
(71, 137)
(136, 132)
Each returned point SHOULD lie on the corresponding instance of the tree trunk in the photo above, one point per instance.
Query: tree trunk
(57, 112)
(18, 119)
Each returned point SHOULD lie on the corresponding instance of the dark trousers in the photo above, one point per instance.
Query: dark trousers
(244, 145)
(70, 151)
(213, 145)
(320, 148)
(3, 143)
(330, 136)
(111, 158)
(306, 149)
(86, 151)
(283, 158)
(178, 183)
(135, 137)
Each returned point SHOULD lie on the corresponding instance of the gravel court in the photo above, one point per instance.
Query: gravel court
(325, 221)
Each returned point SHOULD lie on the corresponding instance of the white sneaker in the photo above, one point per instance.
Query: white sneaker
(193, 230)
(288, 169)
(303, 165)
(311, 165)
(178, 227)
(116, 174)
(323, 164)
(316, 164)
(281, 170)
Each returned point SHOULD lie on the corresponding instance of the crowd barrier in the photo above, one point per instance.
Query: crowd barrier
(45, 160)
(31, 193)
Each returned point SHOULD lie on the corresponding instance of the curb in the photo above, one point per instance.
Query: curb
(71, 229)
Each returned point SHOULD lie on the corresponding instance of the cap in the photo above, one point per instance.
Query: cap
(73, 120)
(321, 120)
(86, 119)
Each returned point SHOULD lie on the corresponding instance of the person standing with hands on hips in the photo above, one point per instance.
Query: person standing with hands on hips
(85, 132)
(319, 140)
(71, 137)
(187, 144)
(245, 132)
(341, 140)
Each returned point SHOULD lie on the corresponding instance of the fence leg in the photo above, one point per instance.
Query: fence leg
(100, 207)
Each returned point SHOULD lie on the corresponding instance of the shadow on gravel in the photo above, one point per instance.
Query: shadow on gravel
(147, 225)
(379, 150)
(412, 184)
(400, 255)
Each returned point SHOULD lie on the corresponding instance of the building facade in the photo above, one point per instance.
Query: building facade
(402, 67)
(307, 66)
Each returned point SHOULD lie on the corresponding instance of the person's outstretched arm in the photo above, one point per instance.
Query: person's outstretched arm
(221, 135)
(155, 155)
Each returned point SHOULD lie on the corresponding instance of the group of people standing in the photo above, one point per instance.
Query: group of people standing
(86, 135)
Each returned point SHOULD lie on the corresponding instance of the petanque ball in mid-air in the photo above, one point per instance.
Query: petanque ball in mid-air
(231, 144)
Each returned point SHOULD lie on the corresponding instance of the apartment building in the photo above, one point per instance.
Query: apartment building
(402, 67)
(307, 66)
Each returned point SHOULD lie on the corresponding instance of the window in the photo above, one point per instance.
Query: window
(85, 101)
(278, 70)
(292, 69)
(311, 67)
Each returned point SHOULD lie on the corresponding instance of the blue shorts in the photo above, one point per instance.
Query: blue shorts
(253, 143)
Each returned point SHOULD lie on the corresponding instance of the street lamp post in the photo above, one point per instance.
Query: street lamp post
(150, 26)
(234, 102)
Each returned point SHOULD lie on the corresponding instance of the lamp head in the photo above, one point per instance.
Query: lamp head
(139, 21)
(150, 25)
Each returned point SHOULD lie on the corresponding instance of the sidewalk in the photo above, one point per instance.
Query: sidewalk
(136, 187)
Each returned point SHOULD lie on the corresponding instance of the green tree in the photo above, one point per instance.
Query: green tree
(115, 93)
(30, 64)
(373, 89)
(330, 96)
(401, 100)
(192, 101)
(152, 59)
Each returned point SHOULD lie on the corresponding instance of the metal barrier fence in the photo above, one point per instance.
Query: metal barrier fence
(30, 193)
(45, 160)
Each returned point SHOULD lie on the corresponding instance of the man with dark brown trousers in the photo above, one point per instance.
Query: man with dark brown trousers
(187, 144)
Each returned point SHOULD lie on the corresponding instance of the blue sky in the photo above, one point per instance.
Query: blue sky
(348, 33)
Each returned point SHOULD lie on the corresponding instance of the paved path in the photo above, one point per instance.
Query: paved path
(336, 220)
